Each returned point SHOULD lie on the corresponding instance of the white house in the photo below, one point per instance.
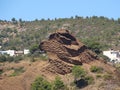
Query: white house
(11, 52)
(3, 52)
(113, 55)
(15, 53)
(26, 51)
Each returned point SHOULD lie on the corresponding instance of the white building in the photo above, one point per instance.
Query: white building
(26, 51)
(3, 52)
(10, 52)
(15, 53)
(113, 55)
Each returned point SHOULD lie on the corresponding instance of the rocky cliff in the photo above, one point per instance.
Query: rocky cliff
(65, 51)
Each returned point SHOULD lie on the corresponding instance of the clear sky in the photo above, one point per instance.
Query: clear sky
(37, 9)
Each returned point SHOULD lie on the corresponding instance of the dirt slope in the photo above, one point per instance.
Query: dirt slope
(24, 80)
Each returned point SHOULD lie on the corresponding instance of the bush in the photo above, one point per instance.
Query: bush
(89, 79)
(78, 72)
(9, 58)
(58, 84)
(43, 57)
(98, 76)
(96, 69)
(32, 59)
(83, 82)
(34, 48)
(18, 58)
(17, 71)
(41, 84)
(105, 58)
(1, 71)
(2, 58)
(107, 77)
(93, 45)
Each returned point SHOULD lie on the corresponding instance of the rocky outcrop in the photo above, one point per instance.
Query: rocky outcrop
(65, 51)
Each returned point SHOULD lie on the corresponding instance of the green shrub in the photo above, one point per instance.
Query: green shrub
(41, 84)
(98, 76)
(89, 79)
(58, 84)
(96, 69)
(93, 45)
(18, 58)
(2, 58)
(78, 71)
(1, 71)
(17, 71)
(107, 77)
(32, 59)
(43, 57)
(10, 59)
(34, 48)
(105, 58)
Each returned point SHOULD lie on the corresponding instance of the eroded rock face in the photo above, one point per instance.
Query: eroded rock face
(65, 51)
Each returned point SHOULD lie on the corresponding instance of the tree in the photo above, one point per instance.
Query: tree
(58, 84)
(36, 20)
(76, 17)
(78, 72)
(2, 58)
(20, 20)
(13, 48)
(93, 45)
(119, 20)
(14, 21)
(96, 69)
(41, 84)
(33, 48)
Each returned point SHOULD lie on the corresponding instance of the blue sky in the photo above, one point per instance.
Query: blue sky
(38, 9)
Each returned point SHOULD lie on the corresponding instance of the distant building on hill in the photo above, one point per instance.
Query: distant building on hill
(15, 53)
(26, 51)
(113, 55)
(10, 52)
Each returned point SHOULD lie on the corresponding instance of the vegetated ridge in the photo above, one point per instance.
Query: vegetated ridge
(64, 51)
(102, 30)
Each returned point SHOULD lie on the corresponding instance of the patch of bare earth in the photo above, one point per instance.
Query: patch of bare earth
(24, 80)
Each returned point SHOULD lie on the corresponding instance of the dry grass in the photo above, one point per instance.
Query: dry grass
(24, 80)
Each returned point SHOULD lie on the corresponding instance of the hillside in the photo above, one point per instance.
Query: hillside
(102, 30)
(102, 81)
(65, 53)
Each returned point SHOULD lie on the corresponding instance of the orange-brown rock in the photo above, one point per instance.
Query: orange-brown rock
(65, 51)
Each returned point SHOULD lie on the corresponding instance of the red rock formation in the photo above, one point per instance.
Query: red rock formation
(65, 51)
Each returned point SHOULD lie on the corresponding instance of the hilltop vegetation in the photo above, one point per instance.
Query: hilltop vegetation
(19, 34)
